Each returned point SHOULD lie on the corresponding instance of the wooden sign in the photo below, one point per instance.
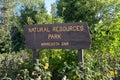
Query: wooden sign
(58, 36)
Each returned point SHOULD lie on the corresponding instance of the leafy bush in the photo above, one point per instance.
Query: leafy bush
(21, 67)
(62, 64)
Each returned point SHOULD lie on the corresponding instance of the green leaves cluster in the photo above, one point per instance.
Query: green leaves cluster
(20, 67)
(103, 19)
(6, 13)
(16, 16)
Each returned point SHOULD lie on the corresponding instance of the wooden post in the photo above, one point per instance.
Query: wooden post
(35, 54)
(81, 61)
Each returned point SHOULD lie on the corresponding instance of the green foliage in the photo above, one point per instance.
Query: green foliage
(64, 64)
(16, 17)
(61, 64)
(16, 39)
(78, 10)
(21, 67)
(103, 20)
(6, 14)
(31, 13)
(100, 66)
(4, 41)
(56, 58)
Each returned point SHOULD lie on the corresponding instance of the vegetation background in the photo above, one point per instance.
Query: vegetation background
(102, 61)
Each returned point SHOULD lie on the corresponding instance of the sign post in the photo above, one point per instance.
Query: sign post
(35, 54)
(81, 60)
(80, 56)
(58, 36)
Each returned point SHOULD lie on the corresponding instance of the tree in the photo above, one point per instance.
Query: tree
(103, 17)
(6, 22)
(33, 12)
(16, 14)
(99, 14)
(55, 18)
(77, 10)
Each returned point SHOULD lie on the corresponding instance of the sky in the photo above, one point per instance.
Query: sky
(48, 5)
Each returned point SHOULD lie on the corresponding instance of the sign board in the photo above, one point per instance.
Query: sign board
(58, 36)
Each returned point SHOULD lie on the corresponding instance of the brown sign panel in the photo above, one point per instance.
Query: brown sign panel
(58, 36)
